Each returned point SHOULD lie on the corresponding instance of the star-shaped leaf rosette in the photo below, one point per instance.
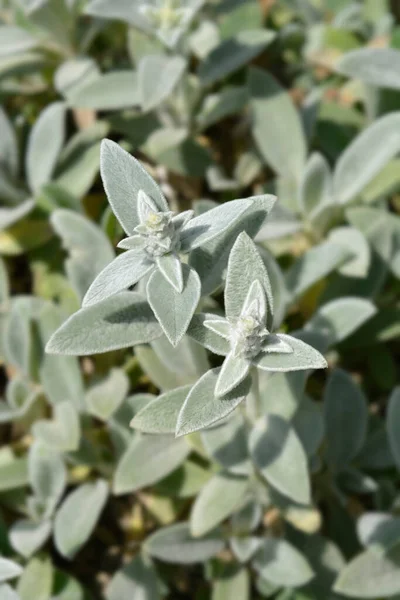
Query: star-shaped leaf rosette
(176, 258)
(244, 337)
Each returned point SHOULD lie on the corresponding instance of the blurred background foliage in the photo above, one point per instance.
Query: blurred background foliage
(219, 99)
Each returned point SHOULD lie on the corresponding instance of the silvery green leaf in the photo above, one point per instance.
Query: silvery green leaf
(122, 10)
(244, 547)
(188, 360)
(158, 75)
(392, 421)
(222, 495)
(9, 569)
(37, 579)
(378, 531)
(63, 433)
(9, 216)
(314, 265)
(338, 319)
(104, 398)
(309, 425)
(15, 39)
(282, 564)
(137, 579)
(244, 266)
(44, 145)
(302, 357)
(279, 456)
(147, 460)
(204, 38)
(175, 544)
(227, 444)
(78, 516)
(281, 393)
(232, 54)
(171, 268)
(357, 166)
(355, 241)
(316, 186)
(123, 177)
(66, 587)
(346, 415)
(281, 222)
(9, 155)
(233, 371)
(274, 114)
(47, 474)
(370, 575)
(204, 336)
(228, 101)
(174, 310)
(247, 519)
(212, 223)
(156, 369)
(13, 471)
(89, 248)
(79, 162)
(220, 327)
(75, 73)
(8, 593)
(118, 322)
(161, 414)
(375, 66)
(60, 376)
(202, 408)
(376, 453)
(236, 584)
(111, 91)
(123, 272)
(210, 259)
(27, 537)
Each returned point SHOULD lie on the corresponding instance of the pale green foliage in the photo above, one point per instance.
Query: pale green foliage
(199, 316)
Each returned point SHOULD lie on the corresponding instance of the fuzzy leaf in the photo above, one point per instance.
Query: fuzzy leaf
(232, 54)
(44, 145)
(47, 474)
(274, 114)
(212, 223)
(314, 265)
(205, 336)
(112, 91)
(244, 266)
(9, 569)
(118, 322)
(346, 415)
(338, 319)
(234, 369)
(302, 357)
(174, 310)
(123, 272)
(175, 544)
(366, 156)
(89, 248)
(282, 564)
(123, 177)
(202, 408)
(171, 268)
(147, 460)
(137, 579)
(36, 580)
(158, 75)
(316, 186)
(63, 433)
(356, 243)
(222, 495)
(104, 398)
(278, 454)
(161, 414)
(78, 516)
(370, 575)
(376, 66)
(27, 537)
